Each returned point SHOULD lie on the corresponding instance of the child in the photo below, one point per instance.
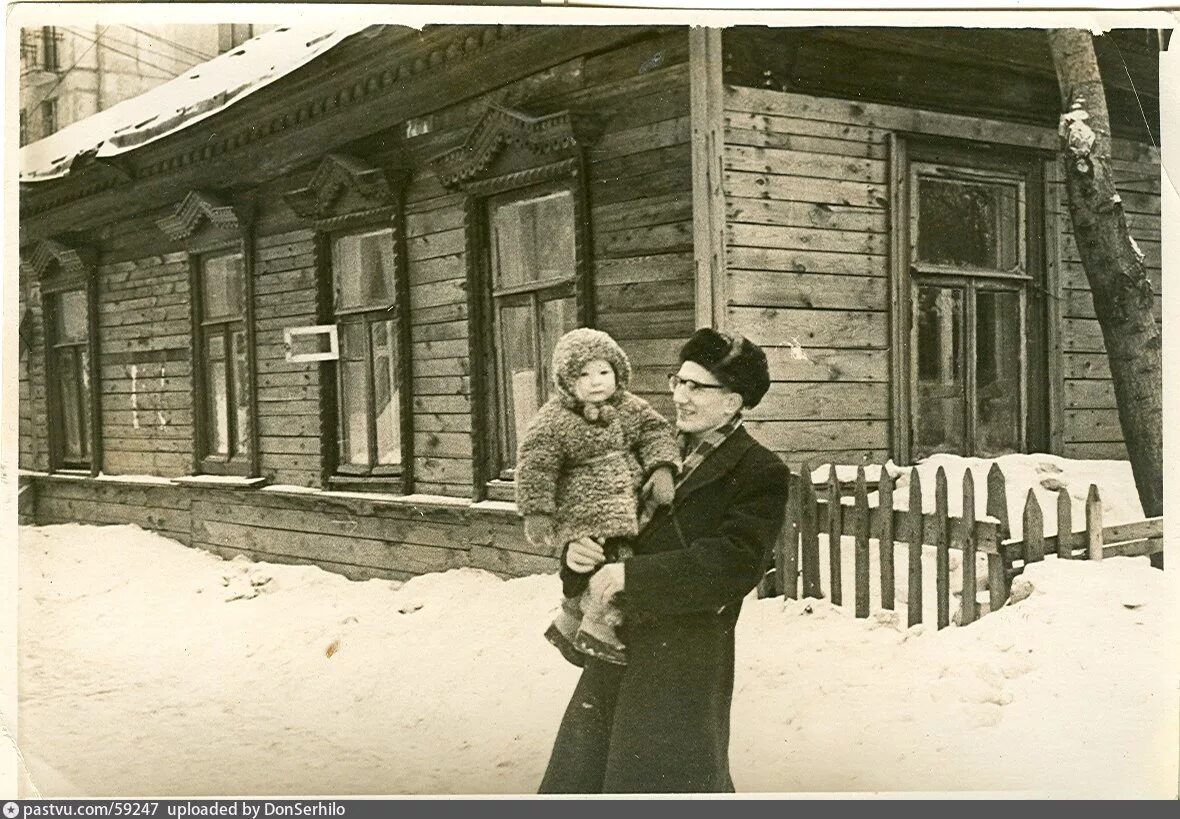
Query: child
(579, 469)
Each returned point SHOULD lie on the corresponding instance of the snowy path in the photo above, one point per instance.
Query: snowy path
(141, 675)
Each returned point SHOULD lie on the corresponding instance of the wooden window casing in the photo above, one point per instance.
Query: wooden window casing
(349, 199)
(534, 159)
(977, 305)
(224, 425)
(362, 370)
(73, 390)
(216, 233)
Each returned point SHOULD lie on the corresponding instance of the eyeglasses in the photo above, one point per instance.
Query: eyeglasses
(675, 381)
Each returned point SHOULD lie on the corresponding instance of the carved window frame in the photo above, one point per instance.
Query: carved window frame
(347, 195)
(60, 267)
(209, 225)
(1033, 280)
(509, 152)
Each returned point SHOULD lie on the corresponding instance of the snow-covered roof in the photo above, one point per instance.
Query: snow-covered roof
(198, 93)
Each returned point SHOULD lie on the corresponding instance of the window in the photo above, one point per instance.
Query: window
(24, 128)
(221, 345)
(975, 352)
(369, 370)
(66, 280)
(68, 330)
(49, 42)
(533, 265)
(525, 181)
(48, 117)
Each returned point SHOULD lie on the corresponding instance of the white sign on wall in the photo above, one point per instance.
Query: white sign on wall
(317, 342)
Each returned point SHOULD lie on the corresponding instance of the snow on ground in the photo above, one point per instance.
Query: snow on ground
(151, 668)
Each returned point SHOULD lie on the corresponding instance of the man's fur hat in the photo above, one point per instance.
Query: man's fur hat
(734, 360)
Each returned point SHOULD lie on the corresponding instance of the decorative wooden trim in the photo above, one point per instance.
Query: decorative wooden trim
(554, 172)
(52, 258)
(706, 92)
(1054, 353)
(197, 208)
(480, 343)
(329, 427)
(357, 219)
(197, 369)
(405, 362)
(94, 337)
(249, 254)
(52, 410)
(335, 175)
(899, 300)
(517, 140)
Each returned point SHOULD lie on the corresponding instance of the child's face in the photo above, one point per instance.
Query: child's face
(596, 382)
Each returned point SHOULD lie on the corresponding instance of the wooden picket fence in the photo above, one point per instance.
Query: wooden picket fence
(797, 551)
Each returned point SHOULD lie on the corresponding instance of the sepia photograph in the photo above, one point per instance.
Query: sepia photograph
(416, 400)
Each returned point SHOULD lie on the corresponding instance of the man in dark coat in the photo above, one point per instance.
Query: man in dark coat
(661, 723)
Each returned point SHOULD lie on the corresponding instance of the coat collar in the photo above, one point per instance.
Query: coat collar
(717, 464)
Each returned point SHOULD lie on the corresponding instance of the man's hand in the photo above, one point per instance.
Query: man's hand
(660, 487)
(584, 555)
(606, 583)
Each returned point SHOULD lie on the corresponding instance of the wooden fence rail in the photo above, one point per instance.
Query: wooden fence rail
(797, 552)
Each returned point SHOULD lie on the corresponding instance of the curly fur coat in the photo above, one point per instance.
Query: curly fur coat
(582, 465)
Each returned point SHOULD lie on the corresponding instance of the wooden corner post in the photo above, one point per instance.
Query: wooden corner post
(706, 92)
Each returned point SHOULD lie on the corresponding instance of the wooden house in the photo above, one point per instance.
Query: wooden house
(307, 323)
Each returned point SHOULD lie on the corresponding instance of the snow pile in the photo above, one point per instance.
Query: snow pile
(151, 668)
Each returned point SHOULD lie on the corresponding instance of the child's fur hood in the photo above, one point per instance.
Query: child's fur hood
(571, 353)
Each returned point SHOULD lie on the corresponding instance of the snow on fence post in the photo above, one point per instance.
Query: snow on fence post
(997, 574)
(835, 530)
(809, 534)
(861, 532)
(970, 610)
(1093, 524)
(885, 537)
(1065, 536)
(1034, 530)
(913, 532)
(997, 507)
(941, 540)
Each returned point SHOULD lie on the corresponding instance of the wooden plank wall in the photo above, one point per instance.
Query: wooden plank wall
(1091, 424)
(145, 335)
(807, 259)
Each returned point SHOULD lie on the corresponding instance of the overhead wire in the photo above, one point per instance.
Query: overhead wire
(178, 46)
(66, 73)
(170, 72)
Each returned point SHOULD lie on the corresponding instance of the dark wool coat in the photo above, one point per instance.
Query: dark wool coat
(661, 723)
(586, 474)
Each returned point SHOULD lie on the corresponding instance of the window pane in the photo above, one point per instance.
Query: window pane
(217, 392)
(940, 414)
(385, 395)
(72, 394)
(354, 395)
(968, 224)
(83, 358)
(241, 393)
(557, 318)
(518, 378)
(533, 239)
(362, 264)
(221, 285)
(997, 372)
(71, 316)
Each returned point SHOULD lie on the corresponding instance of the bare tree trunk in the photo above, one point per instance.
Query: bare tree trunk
(1123, 298)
